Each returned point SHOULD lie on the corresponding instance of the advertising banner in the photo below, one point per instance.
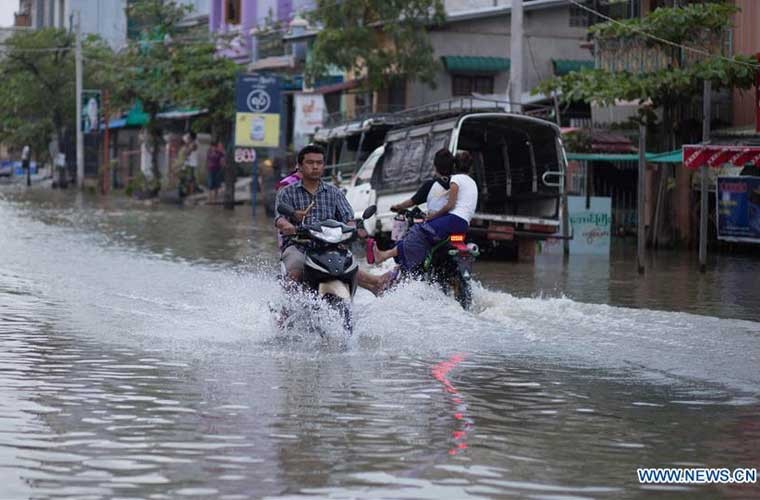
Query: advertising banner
(257, 102)
(591, 227)
(90, 111)
(694, 156)
(739, 209)
(310, 113)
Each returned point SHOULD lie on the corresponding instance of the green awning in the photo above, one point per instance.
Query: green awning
(675, 156)
(136, 117)
(565, 66)
(668, 157)
(475, 64)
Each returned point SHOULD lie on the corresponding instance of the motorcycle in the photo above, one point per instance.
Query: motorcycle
(448, 264)
(330, 269)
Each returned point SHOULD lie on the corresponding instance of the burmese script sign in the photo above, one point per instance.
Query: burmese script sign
(591, 227)
(739, 209)
(257, 104)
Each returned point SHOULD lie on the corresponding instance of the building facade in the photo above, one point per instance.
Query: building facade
(474, 47)
(106, 18)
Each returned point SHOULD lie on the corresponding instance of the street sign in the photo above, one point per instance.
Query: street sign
(257, 103)
(245, 155)
(592, 226)
(90, 118)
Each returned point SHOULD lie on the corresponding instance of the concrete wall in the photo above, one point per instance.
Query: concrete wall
(461, 5)
(548, 35)
(107, 18)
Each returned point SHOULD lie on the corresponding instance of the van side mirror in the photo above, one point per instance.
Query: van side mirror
(369, 212)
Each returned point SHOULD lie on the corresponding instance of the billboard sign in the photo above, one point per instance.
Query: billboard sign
(694, 156)
(257, 105)
(309, 116)
(90, 118)
(591, 226)
(738, 208)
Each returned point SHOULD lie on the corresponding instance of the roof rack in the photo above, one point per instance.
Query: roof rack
(440, 109)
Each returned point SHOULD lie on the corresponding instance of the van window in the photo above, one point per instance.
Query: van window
(439, 141)
(402, 162)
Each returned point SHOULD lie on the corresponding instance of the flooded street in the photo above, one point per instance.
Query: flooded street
(139, 359)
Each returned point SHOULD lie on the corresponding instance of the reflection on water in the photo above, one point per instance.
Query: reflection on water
(138, 359)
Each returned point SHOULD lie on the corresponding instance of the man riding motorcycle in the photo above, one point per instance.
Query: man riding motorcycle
(314, 201)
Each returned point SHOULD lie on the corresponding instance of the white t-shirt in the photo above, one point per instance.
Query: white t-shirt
(437, 197)
(467, 198)
(192, 156)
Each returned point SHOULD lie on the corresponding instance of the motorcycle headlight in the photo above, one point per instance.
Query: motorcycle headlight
(331, 234)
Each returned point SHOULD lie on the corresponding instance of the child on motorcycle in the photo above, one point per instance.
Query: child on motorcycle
(444, 217)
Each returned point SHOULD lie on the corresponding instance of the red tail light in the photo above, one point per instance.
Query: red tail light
(457, 241)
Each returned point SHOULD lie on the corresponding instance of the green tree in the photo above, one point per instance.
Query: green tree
(171, 66)
(208, 82)
(382, 40)
(147, 67)
(700, 27)
(38, 90)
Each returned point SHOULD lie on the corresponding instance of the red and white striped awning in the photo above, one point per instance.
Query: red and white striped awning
(695, 156)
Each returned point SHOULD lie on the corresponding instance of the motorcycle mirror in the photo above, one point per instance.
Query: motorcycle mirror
(369, 212)
(285, 209)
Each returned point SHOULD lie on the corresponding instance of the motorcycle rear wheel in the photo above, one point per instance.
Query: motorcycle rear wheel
(461, 289)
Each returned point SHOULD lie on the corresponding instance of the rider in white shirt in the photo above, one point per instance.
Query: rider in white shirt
(451, 218)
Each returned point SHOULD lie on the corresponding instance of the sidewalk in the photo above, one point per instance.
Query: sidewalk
(242, 194)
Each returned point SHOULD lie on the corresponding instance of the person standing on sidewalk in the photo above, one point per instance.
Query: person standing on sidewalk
(26, 154)
(215, 162)
(191, 160)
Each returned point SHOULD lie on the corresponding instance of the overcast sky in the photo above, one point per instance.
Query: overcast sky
(7, 8)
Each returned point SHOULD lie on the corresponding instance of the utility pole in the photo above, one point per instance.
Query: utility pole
(80, 135)
(641, 200)
(516, 56)
(106, 143)
(706, 103)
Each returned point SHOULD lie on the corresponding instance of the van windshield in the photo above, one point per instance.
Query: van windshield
(364, 175)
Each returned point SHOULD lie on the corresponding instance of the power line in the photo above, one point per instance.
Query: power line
(46, 49)
(661, 40)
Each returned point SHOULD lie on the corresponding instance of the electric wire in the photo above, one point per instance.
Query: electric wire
(662, 40)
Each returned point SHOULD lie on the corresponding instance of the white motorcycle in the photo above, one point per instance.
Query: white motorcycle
(330, 269)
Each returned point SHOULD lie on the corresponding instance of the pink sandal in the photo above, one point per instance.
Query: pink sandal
(370, 250)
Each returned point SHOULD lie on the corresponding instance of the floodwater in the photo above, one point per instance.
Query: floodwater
(139, 359)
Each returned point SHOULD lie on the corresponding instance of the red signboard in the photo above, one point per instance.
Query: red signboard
(717, 156)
